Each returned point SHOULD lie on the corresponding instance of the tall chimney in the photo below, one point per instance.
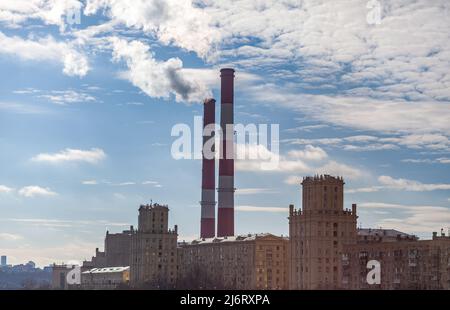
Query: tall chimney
(225, 225)
(208, 203)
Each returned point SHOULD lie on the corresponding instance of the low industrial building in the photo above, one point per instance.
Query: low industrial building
(108, 278)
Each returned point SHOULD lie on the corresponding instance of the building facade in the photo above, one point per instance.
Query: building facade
(59, 277)
(153, 249)
(405, 262)
(241, 262)
(108, 278)
(97, 261)
(118, 248)
(318, 233)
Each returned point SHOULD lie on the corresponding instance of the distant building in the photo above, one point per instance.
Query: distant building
(318, 233)
(406, 263)
(118, 248)
(383, 235)
(3, 261)
(117, 251)
(256, 261)
(108, 278)
(59, 277)
(153, 249)
(97, 261)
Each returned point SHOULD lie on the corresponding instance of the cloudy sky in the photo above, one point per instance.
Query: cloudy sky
(88, 101)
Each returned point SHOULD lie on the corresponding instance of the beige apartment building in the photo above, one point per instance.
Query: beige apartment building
(153, 249)
(118, 248)
(406, 262)
(318, 233)
(257, 261)
(117, 251)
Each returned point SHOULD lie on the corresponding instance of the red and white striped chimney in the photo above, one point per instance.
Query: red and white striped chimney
(225, 223)
(208, 203)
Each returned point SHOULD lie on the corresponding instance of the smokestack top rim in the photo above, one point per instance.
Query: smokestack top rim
(227, 71)
(209, 100)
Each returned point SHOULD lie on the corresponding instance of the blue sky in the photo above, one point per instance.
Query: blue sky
(86, 112)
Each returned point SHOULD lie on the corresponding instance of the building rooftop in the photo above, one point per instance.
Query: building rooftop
(383, 233)
(107, 270)
(322, 178)
(249, 237)
(153, 206)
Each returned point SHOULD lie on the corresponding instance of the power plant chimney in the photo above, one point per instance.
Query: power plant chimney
(208, 203)
(225, 223)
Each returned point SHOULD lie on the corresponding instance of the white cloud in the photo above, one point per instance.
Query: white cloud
(418, 161)
(154, 183)
(48, 50)
(339, 169)
(293, 180)
(387, 116)
(125, 184)
(331, 168)
(307, 128)
(44, 255)
(89, 182)
(370, 147)
(372, 189)
(92, 156)
(68, 96)
(10, 237)
(171, 21)
(254, 191)
(390, 183)
(345, 49)
(309, 153)
(443, 160)
(59, 223)
(119, 196)
(430, 142)
(5, 189)
(33, 191)
(252, 157)
(261, 209)
(21, 108)
(149, 183)
(410, 185)
(28, 90)
(51, 12)
(411, 218)
(159, 79)
(260, 159)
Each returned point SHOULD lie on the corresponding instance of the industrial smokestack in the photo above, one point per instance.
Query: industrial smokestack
(208, 203)
(225, 225)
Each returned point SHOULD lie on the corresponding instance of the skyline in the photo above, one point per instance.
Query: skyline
(86, 112)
